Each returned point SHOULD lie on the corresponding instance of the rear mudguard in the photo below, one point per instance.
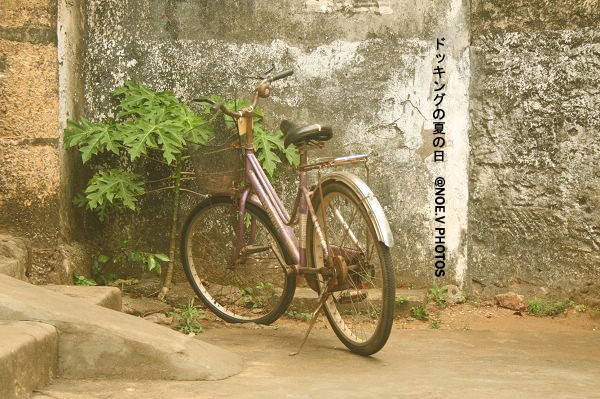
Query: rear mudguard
(372, 205)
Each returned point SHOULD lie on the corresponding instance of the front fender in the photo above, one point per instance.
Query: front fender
(374, 209)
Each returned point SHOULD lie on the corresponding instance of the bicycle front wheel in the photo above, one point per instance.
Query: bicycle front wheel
(361, 306)
(248, 286)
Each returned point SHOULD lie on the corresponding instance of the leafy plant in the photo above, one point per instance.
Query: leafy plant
(401, 299)
(157, 127)
(259, 296)
(187, 319)
(82, 280)
(420, 312)
(535, 307)
(438, 295)
(436, 323)
(127, 256)
(304, 316)
(547, 307)
(580, 308)
(269, 145)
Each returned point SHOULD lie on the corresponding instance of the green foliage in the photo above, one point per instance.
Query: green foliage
(92, 138)
(420, 312)
(268, 144)
(147, 121)
(535, 307)
(187, 319)
(109, 190)
(580, 308)
(547, 307)
(436, 323)
(258, 296)
(82, 280)
(438, 295)
(127, 256)
(156, 122)
(401, 299)
(302, 316)
(100, 275)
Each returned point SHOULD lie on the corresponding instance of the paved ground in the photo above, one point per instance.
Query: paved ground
(474, 363)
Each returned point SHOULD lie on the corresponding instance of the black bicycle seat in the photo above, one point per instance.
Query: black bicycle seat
(294, 134)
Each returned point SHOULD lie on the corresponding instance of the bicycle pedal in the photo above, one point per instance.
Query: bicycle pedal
(352, 297)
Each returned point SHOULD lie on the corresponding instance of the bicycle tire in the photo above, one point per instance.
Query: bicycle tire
(361, 313)
(257, 289)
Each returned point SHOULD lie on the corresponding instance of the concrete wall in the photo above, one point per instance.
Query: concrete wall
(534, 219)
(363, 67)
(521, 103)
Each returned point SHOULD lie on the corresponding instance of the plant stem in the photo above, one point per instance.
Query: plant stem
(169, 274)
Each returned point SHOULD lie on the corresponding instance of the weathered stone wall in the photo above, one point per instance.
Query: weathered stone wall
(521, 102)
(364, 67)
(534, 215)
(29, 168)
(38, 178)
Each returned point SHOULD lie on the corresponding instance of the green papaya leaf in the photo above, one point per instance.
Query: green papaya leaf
(162, 257)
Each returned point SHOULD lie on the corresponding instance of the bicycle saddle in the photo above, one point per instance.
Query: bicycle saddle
(294, 134)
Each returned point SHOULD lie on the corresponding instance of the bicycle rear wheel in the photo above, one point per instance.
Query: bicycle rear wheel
(361, 308)
(252, 286)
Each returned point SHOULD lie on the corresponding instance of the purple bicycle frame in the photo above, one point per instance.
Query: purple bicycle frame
(261, 193)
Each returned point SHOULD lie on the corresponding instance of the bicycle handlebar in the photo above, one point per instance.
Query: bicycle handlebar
(282, 75)
(262, 90)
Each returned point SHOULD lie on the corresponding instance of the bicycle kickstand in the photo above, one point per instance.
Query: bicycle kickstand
(322, 301)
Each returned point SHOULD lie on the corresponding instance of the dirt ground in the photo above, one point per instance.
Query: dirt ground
(473, 315)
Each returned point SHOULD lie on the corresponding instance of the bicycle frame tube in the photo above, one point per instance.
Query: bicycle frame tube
(271, 203)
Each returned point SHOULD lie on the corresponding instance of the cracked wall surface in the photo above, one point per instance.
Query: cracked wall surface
(534, 219)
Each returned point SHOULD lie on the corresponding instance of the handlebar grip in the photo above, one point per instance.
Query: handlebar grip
(282, 75)
(204, 100)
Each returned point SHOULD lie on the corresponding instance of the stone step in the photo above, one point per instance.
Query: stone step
(28, 357)
(96, 342)
(107, 297)
(305, 300)
(15, 256)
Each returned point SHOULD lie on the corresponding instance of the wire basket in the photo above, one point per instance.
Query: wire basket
(219, 167)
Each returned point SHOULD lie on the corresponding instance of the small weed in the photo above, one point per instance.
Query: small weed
(580, 308)
(547, 307)
(410, 318)
(438, 295)
(187, 320)
(259, 296)
(420, 312)
(535, 307)
(401, 299)
(303, 316)
(436, 324)
(83, 280)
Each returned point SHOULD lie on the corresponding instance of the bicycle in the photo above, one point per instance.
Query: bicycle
(242, 257)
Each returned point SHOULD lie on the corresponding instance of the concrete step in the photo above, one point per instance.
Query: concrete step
(28, 357)
(96, 342)
(15, 256)
(305, 300)
(107, 297)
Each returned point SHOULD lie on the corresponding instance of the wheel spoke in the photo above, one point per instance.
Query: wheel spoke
(256, 287)
(361, 313)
